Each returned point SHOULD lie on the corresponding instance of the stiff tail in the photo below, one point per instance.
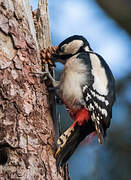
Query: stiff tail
(98, 127)
(69, 141)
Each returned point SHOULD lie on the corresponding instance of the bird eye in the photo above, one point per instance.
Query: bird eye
(62, 49)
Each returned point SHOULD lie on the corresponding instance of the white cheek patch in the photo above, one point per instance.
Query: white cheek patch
(72, 47)
(100, 79)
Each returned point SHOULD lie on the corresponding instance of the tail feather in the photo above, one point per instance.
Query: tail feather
(69, 141)
(98, 127)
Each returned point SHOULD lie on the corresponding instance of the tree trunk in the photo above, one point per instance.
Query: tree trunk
(27, 144)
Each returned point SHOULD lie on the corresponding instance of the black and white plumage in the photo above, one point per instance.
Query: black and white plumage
(100, 94)
(86, 82)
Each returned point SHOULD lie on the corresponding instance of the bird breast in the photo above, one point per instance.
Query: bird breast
(73, 76)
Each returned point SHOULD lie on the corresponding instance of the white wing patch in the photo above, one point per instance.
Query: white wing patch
(100, 79)
(99, 97)
(96, 104)
(91, 107)
(104, 112)
(84, 88)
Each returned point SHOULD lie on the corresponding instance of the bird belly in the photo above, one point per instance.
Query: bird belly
(71, 93)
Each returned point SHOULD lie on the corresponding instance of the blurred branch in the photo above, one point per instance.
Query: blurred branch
(120, 11)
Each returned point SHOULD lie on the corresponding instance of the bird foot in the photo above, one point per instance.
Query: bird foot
(48, 74)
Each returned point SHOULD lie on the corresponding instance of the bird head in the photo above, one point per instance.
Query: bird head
(69, 47)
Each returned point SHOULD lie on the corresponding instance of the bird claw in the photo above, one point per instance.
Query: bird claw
(44, 74)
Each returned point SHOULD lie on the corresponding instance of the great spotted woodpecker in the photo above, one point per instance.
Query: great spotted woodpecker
(87, 88)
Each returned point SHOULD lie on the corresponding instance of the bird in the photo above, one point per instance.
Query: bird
(87, 88)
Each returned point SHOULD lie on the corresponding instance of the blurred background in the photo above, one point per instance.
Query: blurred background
(107, 27)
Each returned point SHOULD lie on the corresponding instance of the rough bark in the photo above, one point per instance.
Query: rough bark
(44, 41)
(26, 128)
(43, 32)
(119, 10)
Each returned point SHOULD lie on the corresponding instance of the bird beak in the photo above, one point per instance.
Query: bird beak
(57, 58)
